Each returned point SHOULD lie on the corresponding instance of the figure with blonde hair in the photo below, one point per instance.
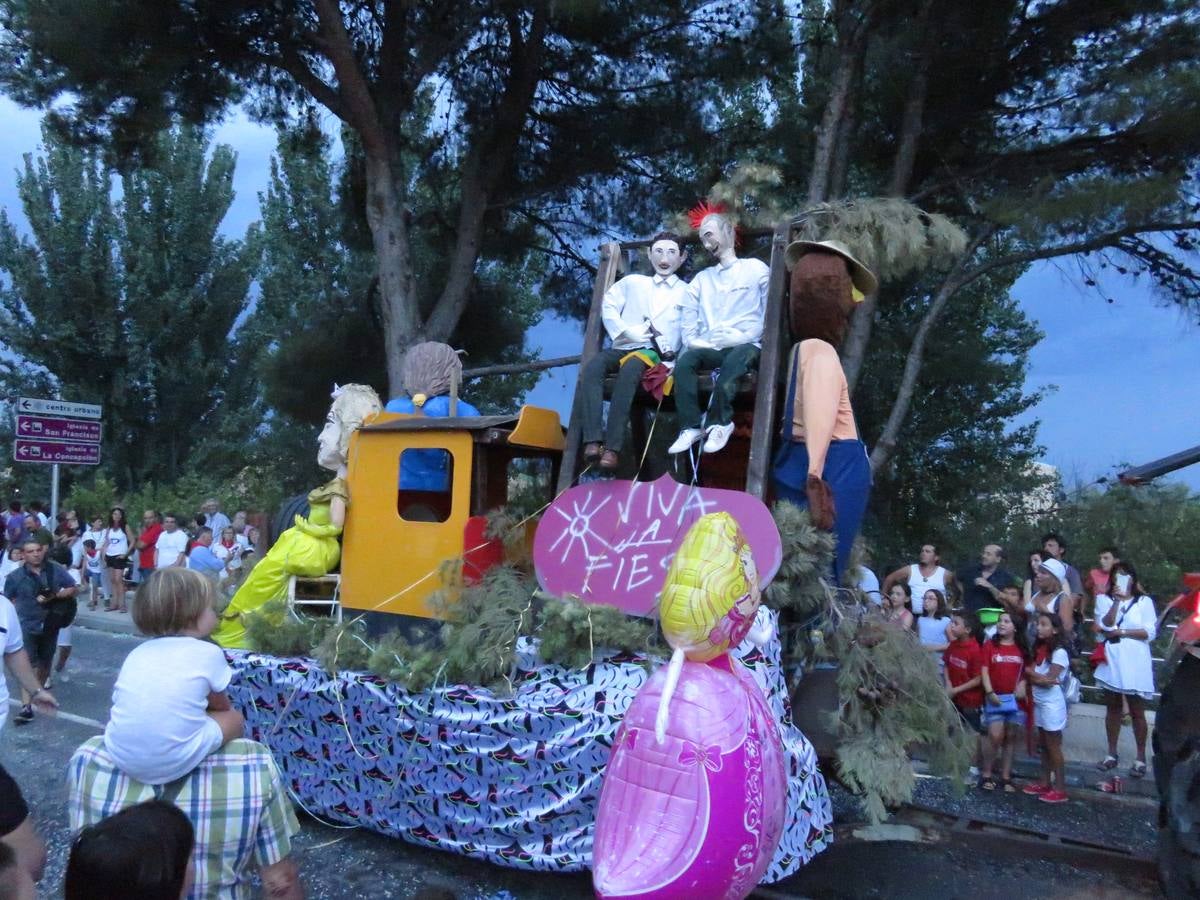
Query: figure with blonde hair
(310, 547)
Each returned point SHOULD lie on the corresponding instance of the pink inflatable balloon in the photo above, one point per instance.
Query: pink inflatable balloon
(701, 814)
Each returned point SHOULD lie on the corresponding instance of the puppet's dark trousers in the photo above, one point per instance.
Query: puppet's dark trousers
(591, 396)
(733, 362)
(848, 472)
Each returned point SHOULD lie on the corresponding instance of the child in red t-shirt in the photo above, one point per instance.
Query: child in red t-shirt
(964, 683)
(1002, 670)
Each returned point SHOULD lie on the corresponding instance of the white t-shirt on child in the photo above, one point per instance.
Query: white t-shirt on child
(158, 729)
(10, 642)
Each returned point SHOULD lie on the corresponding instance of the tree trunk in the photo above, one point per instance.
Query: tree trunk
(954, 280)
(886, 443)
(853, 29)
(389, 233)
(914, 107)
(858, 338)
(840, 167)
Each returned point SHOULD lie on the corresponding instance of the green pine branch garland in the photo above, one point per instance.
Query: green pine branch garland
(799, 587)
(475, 641)
(571, 632)
(890, 697)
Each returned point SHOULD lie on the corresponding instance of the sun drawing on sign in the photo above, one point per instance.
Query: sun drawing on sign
(579, 528)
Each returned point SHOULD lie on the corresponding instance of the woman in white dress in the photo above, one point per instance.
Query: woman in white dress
(1126, 622)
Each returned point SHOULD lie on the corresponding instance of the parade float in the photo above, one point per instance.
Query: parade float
(454, 701)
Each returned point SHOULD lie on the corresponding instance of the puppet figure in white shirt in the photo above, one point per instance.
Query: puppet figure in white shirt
(641, 315)
(721, 320)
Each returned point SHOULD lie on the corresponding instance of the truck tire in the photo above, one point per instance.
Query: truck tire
(1179, 840)
(285, 518)
(1176, 742)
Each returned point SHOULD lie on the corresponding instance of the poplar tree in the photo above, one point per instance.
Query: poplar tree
(128, 303)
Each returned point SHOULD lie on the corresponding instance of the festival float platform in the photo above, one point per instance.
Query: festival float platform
(513, 780)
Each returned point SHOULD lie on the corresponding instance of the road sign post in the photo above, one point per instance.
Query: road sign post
(57, 432)
(50, 452)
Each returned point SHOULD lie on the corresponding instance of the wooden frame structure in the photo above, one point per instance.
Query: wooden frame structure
(770, 365)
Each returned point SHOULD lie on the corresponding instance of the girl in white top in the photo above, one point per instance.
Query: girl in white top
(227, 548)
(169, 709)
(932, 625)
(1127, 622)
(1052, 596)
(1050, 667)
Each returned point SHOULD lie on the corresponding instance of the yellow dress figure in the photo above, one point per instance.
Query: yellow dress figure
(310, 547)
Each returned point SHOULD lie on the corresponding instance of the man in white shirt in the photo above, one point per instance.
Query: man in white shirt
(721, 320)
(641, 315)
(171, 547)
(16, 827)
(213, 517)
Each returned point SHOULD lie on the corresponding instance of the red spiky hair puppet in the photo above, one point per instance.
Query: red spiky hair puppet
(702, 210)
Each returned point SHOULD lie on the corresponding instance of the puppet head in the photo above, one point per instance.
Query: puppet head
(827, 282)
(666, 253)
(429, 368)
(711, 593)
(716, 229)
(352, 403)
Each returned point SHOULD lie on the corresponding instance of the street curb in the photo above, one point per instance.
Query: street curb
(113, 623)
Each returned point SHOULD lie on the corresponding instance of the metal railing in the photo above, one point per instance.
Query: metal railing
(1154, 660)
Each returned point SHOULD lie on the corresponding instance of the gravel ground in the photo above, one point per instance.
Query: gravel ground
(918, 870)
(912, 871)
(1128, 823)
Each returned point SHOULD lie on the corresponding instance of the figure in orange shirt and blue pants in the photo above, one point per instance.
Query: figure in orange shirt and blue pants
(821, 462)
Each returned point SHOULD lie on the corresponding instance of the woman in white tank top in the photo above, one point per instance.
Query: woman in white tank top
(117, 541)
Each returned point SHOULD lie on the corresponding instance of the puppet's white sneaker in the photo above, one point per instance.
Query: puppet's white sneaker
(718, 437)
(686, 438)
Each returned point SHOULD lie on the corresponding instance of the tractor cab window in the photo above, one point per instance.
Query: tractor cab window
(530, 485)
(426, 479)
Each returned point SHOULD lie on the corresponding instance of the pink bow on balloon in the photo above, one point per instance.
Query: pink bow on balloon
(694, 754)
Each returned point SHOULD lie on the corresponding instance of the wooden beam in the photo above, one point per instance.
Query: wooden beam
(775, 339)
(536, 365)
(593, 338)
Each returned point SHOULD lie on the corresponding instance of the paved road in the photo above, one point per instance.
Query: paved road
(346, 864)
(338, 864)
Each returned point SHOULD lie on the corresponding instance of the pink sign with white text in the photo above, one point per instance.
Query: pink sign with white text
(612, 541)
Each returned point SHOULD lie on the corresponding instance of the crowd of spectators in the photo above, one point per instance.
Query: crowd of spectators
(99, 563)
(171, 801)
(110, 555)
(1008, 645)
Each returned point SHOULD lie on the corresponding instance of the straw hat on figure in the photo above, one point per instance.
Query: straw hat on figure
(822, 462)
